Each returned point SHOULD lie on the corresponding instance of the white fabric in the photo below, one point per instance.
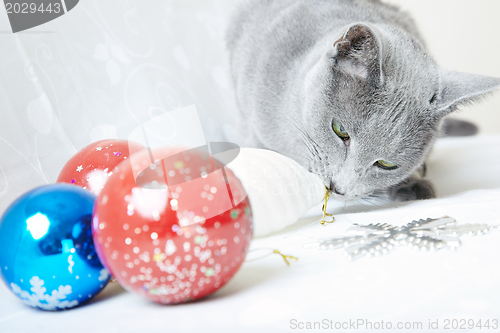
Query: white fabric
(279, 189)
(106, 66)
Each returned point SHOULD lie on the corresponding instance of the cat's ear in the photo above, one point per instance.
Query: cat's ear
(458, 88)
(358, 52)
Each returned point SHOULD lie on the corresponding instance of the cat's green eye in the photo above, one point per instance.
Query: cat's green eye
(340, 131)
(385, 165)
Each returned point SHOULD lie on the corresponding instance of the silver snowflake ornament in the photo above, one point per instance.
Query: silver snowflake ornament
(377, 239)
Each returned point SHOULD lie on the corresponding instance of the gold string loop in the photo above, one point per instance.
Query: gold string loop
(271, 252)
(286, 257)
(325, 214)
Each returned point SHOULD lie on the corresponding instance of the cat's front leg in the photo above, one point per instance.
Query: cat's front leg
(413, 188)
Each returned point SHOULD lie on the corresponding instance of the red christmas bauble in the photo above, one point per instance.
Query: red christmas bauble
(92, 165)
(177, 233)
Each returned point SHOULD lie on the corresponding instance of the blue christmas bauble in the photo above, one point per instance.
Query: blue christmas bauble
(47, 255)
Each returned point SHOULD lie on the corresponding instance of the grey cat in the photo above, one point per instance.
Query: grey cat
(345, 88)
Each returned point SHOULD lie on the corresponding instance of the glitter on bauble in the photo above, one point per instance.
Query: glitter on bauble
(177, 233)
(91, 166)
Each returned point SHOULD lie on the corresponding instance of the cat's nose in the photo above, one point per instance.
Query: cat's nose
(334, 189)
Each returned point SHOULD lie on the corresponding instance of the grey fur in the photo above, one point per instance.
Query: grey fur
(299, 64)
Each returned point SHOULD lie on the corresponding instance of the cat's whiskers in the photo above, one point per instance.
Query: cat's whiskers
(370, 202)
(343, 208)
(308, 142)
(385, 201)
(311, 145)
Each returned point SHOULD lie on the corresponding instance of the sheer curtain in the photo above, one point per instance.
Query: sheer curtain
(99, 71)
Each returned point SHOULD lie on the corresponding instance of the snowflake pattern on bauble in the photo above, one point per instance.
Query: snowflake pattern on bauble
(54, 301)
(377, 239)
(104, 275)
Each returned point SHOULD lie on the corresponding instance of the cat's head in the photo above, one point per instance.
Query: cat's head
(373, 106)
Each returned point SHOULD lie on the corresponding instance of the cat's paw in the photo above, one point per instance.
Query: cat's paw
(412, 189)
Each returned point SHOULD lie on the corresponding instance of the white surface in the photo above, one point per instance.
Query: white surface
(102, 69)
